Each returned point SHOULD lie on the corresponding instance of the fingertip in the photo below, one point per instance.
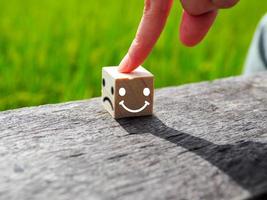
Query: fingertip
(185, 31)
(193, 29)
(126, 65)
(187, 41)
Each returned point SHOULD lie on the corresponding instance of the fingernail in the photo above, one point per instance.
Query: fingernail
(125, 64)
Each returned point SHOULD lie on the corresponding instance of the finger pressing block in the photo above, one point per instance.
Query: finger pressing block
(127, 95)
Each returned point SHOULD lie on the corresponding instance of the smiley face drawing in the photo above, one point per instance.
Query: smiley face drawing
(122, 93)
(127, 95)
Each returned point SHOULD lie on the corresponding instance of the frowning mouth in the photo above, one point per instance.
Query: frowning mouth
(134, 111)
(108, 100)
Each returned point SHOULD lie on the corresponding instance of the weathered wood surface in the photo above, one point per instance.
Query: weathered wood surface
(206, 141)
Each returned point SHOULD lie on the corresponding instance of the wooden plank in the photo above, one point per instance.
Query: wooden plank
(205, 141)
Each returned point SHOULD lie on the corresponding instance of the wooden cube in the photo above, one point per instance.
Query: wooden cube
(127, 95)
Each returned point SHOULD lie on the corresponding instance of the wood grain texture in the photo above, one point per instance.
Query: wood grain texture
(205, 141)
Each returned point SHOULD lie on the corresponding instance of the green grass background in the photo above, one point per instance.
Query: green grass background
(53, 50)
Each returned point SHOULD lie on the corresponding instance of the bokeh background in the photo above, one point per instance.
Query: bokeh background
(53, 50)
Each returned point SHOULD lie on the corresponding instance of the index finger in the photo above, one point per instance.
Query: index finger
(153, 21)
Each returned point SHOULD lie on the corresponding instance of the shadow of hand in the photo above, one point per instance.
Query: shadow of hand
(245, 161)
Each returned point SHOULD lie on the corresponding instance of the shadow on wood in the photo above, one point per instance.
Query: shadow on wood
(245, 162)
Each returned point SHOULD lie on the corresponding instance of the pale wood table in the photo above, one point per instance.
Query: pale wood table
(205, 141)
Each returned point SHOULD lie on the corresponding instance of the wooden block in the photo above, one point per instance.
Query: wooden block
(127, 95)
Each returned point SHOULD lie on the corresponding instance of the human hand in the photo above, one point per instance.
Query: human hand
(198, 17)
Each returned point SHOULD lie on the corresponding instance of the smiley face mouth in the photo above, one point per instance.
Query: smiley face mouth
(134, 111)
(108, 100)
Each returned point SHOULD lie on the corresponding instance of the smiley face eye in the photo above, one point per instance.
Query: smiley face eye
(103, 82)
(146, 92)
(112, 90)
(122, 92)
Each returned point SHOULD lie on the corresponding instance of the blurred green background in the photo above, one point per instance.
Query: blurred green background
(53, 50)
